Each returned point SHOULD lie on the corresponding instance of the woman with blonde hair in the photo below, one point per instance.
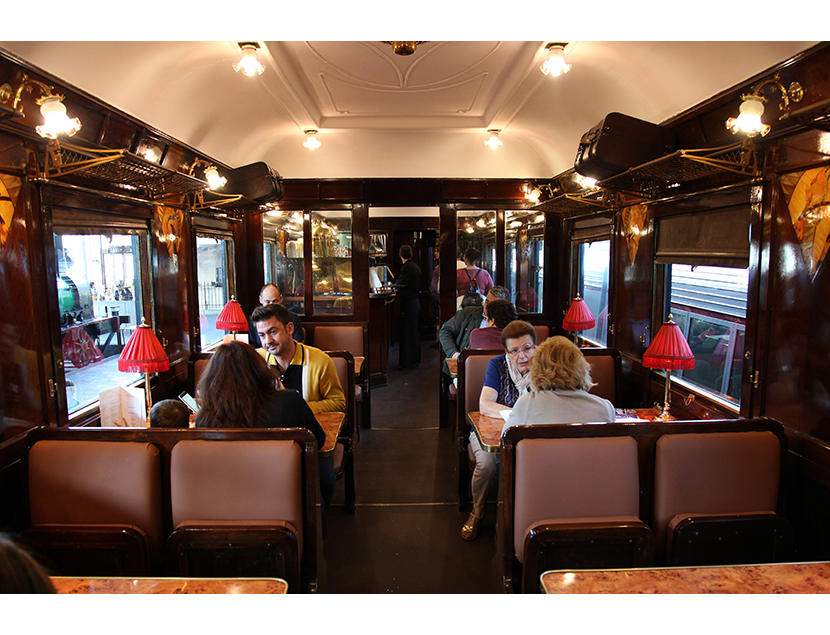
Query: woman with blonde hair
(559, 382)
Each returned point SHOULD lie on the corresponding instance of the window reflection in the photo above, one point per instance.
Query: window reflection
(594, 266)
(476, 250)
(283, 257)
(100, 301)
(524, 236)
(331, 234)
(212, 257)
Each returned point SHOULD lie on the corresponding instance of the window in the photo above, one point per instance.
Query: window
(331, 238)
(213, 257)
(284, 257)
(709, 305)
(594, 259)
(100, 301)
(524, 236)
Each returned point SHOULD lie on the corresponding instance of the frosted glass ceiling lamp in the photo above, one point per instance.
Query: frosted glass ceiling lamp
(752, 107)
(248, 63)
(311, 142)
(556, 65)
(55, 119)
(494, 141)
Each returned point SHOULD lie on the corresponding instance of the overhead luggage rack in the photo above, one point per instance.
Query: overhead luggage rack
(684, 166)
(117, 167)
(572, 203)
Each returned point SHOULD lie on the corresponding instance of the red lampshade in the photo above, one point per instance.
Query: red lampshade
(232, 318)
(669, 350)
(143, 353)
(578, 317)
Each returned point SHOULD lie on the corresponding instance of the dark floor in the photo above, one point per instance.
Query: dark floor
(405, 534)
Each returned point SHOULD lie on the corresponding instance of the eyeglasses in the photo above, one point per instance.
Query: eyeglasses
(524, 349)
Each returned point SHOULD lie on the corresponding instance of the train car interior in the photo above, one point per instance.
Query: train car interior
(664, 205)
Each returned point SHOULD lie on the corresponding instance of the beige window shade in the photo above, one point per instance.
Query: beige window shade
(718, 238)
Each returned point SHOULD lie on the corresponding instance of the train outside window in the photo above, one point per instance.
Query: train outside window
(709, 305)
(214, 255)
(98, 279)
(593, 264)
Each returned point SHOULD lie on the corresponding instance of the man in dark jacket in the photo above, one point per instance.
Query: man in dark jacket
(409, 287)
(455, 333)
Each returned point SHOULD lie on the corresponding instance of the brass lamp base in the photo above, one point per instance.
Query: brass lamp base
(665, 415)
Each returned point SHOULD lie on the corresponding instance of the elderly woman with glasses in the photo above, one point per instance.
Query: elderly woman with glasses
(506, 379)
(559, 383)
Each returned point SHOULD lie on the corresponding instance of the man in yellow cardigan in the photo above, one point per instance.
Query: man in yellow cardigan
(300, 367)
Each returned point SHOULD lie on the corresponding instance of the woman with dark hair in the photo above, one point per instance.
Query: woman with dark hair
(238, 390)
(20, 572)
(471, 276)
(505, 380)
(497, 315)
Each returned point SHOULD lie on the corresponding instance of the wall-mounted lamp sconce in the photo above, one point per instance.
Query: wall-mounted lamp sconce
(248, 63)
(494, 141)
(211, 172)
(585, 182)
(311, 142)
(533, 193)
(55, 119)
(752, 107)
(556, 65)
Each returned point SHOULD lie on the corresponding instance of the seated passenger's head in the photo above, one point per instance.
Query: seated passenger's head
(169, 413)
(270, 294)
(275, 328)
(519, 341)
(559, 365)
(497, 293)
(234, 385)
(20, 572)
(500, 313)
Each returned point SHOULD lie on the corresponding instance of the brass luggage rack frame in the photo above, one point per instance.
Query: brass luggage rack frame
(571, 203)
(685, 166)
(117, 167)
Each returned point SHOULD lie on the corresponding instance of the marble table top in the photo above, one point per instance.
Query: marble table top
(804, 577)
(87, 586)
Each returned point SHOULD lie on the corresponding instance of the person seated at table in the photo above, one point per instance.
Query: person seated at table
(19, 571)
(559, 382)
(306, 369)
(455, 332)
(238, 390)
(506, 379)
(169, 413)
(271, 294)
(497, 314)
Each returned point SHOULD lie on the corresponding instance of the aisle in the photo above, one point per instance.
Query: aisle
(405, 534)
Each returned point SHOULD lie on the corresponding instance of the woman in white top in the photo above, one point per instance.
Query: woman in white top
(559, 380)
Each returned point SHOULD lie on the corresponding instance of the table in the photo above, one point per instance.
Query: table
(331, 422)
(168, 585)
(804, 577)
(452, 366)
(358, 365)
(488, 429)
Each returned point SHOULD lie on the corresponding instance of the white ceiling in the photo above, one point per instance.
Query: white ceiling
(385, 115)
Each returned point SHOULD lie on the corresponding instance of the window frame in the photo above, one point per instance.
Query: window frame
(590, 229)
(230, 266)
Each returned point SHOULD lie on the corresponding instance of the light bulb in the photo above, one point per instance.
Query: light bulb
(55, 120)
(494, 141)
(555, 64)
(311, 142)
(749, 119)
(214, 180)
(248, 63)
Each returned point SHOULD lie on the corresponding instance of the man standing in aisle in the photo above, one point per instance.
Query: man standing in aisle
(270, 294)
(409, 286)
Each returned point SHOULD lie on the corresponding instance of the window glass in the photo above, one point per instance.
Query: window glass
(331, 265)
(594, 265)
(524, 255)
(284, 257)
(477, 232)
(709, 305)
(100, 303)
(213, 255)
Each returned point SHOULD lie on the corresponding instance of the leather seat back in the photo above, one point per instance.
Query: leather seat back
(237, 480)
(97, 483)
(592, 477)
(340, 338)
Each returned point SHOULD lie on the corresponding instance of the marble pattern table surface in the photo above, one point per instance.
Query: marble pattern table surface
(805, 577)
(86, 586)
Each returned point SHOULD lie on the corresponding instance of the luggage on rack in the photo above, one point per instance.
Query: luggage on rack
(620, 142)
(255, 181)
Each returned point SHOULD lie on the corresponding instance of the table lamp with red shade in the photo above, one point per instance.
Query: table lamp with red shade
(578, 318)
(232, 318)
(143, 354)
(669, 351)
